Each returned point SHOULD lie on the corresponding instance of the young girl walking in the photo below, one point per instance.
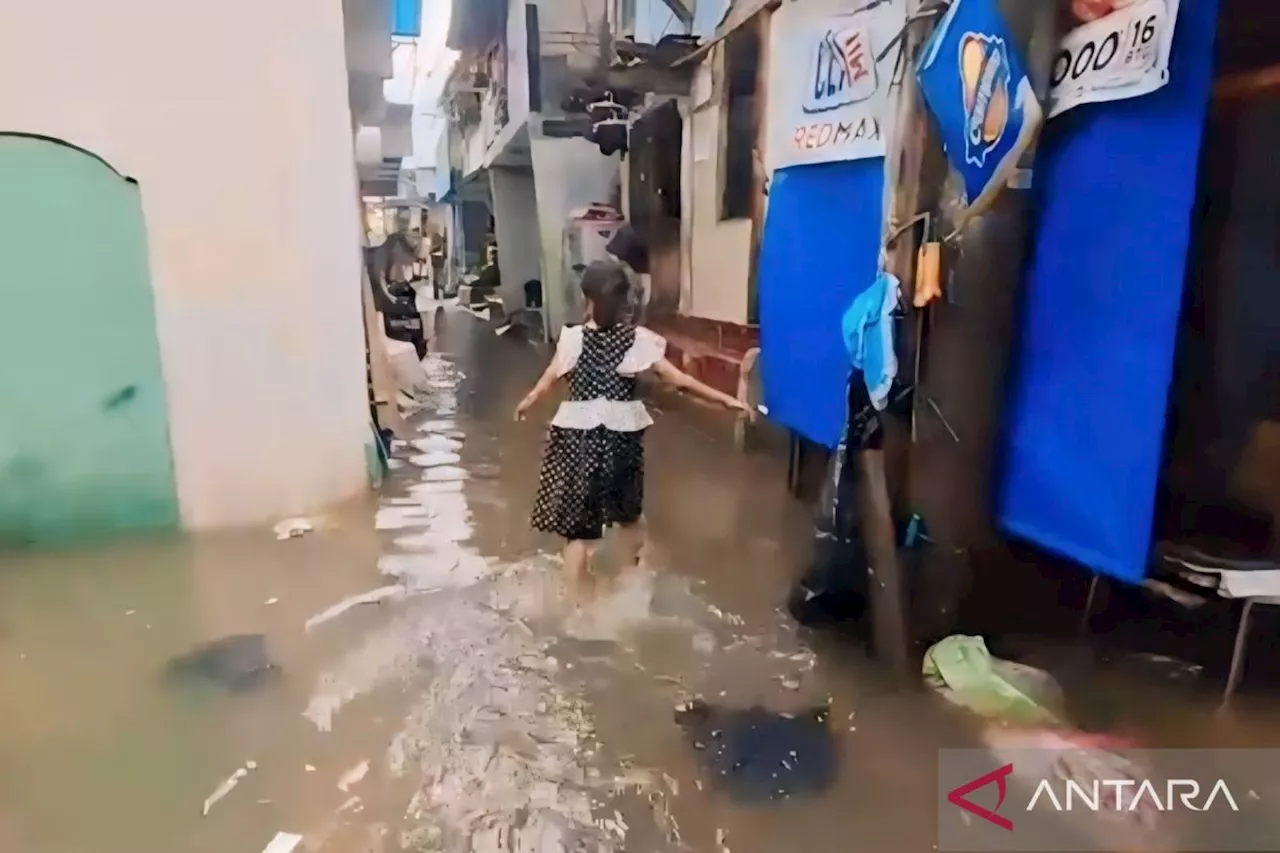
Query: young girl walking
(593, 470)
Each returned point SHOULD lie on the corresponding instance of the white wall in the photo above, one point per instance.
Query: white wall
(517, 64)
(720, 261)
(515, 222)
(570, 28)
(233, 117)
(485, 142)
(568, 174)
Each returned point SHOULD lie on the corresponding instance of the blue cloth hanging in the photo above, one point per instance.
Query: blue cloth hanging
(868, 336)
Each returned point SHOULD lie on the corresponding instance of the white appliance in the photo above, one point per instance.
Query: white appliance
(586, 234)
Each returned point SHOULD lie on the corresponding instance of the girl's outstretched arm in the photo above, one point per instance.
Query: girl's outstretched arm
(683, 382)
(539, 390)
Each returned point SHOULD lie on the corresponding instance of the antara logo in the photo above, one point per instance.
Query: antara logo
(1099, 796)
(998, 777)
(1132, 795)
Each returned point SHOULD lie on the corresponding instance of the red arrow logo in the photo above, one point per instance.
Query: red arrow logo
(959, 796)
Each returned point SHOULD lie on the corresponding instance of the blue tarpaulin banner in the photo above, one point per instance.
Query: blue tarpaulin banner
(406, 18)
(819, 250)
(977, 89)
(1103, 293)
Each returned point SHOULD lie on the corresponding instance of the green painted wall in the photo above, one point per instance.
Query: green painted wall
(84, 439)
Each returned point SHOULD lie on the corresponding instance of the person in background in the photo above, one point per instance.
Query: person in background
(629, 249)
(593, 468)
(437, 266)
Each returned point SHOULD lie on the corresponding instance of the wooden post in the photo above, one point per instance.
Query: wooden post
(913, 166)
(965, 361)
(763, 21)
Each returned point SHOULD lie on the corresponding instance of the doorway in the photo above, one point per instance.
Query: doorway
(84, 439)
(654, 200)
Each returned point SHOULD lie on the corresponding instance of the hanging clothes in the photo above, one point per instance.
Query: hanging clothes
(834, 587)
(868, 336)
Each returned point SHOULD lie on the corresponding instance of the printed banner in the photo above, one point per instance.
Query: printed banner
(829, 71)
(1117, 49)
(973, 81)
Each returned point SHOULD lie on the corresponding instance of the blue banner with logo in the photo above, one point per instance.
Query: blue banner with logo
(978, 91)
(1086, 416)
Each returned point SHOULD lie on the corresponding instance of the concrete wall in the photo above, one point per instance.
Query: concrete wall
(517, 64)
(719, 250)
(515, 220)
(568, 174)
(564, 26)
(485, 141)
(233, 117)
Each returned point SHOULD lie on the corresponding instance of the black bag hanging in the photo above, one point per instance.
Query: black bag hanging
(834, 588)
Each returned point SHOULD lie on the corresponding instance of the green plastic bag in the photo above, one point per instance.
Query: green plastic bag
(964, 672)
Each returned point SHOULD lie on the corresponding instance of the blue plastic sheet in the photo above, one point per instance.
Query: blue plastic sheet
(1087, 408)
(819, 250)
(406, 18)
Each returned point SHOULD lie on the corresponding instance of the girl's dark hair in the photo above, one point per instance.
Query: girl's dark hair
(605, 283)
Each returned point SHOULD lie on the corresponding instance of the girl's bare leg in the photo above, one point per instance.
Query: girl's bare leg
(631, 540)
(577, 559)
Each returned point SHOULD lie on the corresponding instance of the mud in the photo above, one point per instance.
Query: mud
(427, 631)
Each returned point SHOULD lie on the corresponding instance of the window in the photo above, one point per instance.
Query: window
(626, 18)
(741, 122)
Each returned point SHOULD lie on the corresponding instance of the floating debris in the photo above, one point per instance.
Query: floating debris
(353, 776)
(237, 663)
(375, 596)
(284, 842)
(757, 755)
(226, 787)
(292, 528)
(731, 618)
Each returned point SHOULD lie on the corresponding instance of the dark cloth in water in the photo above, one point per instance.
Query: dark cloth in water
(235, 663)
(757, 756)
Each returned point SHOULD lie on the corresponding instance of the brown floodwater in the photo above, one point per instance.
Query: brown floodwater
(426, 631)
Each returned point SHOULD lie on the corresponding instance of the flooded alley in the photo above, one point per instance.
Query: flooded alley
(426, 683)
(436, 689)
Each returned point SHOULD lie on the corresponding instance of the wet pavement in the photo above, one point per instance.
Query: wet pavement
(435, 687)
